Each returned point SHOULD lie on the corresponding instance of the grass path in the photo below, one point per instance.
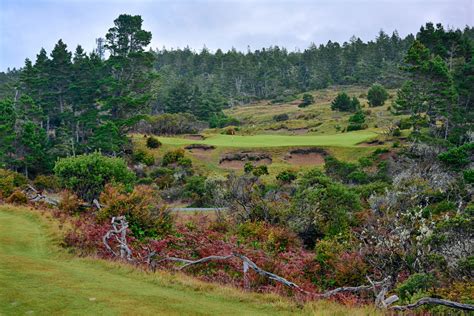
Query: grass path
(36, 278)
(336, 140)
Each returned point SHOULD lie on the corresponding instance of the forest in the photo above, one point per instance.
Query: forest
(344, 171)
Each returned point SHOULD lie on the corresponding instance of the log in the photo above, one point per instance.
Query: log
(434, 301)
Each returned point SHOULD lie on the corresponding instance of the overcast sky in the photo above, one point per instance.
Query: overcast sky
(28, 25)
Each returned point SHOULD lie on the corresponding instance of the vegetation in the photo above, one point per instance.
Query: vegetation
(377, 95)
(87, 175)
(323, 191)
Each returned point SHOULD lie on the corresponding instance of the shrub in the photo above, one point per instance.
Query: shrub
(344, 103)
(416, 282)
(43, 182)
(17, 197)
(185, 163)
(396, 132)
(172, 157)
(377, 95)
(9, 181)
(308, 99)
(287, 176)
(457, 157)
(171, 123)
(145, 212)
(281, 117)
(322, 207)
(469, 176)
(221, 121)
(141, 156)
(69, 202)
(87, 175)
(248, 167)
(152, 142)
(260, 171)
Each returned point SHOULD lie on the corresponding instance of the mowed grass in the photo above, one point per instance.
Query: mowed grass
(262, 141)
(38, 278)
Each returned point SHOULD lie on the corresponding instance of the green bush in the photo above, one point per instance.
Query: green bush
(172, 157)
(322, 207)
(221, 121)
(248, 167)
(377, 95)
(287, 176)
(416, 282)
(152, 142)
(458, 157)
(87, 175)
(469, 176)
(396, 132)
(308, 99)
(43, 182)
(260, 171)
(141, 156)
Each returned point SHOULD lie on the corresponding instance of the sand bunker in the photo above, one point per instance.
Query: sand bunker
(306, 157)
(239, 159)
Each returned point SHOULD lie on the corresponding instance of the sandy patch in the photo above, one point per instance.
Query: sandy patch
(306, 157)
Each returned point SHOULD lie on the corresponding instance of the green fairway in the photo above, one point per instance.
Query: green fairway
(336, 140)
(36, 278)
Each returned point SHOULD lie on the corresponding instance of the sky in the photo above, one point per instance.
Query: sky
(28, 25)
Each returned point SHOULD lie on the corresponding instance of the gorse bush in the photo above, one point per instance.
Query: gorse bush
(86, 175)
(152, 142)
(141, 156)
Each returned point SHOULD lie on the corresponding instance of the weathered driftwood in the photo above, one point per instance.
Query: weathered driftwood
(119, 232)
(434, 301)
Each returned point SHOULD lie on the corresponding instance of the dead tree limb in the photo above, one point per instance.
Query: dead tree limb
(434, 301)
(120, 235)
(36, 196)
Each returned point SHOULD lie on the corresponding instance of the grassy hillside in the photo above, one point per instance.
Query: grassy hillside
(38, 278)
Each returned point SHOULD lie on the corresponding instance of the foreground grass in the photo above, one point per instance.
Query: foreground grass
(38, 278)
(262, 141)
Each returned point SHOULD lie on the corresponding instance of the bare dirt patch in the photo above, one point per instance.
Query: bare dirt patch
(306, 157)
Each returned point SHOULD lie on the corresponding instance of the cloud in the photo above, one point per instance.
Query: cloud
(28, 25)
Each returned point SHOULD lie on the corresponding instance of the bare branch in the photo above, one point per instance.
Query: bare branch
(434, 301)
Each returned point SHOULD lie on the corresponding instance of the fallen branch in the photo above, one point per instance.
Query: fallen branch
(247, 263)
(434, 301)
(35, 196)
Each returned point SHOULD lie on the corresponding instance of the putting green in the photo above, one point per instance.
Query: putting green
(336, 140)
